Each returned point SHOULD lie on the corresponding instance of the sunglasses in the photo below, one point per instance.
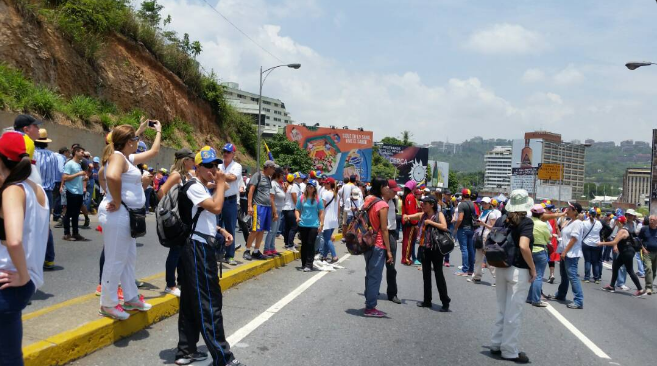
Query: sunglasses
(209, 165)
(136, 138)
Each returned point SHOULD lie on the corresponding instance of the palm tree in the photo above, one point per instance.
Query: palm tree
(406, 138)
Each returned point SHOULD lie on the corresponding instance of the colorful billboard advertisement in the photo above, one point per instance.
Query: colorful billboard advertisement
(411, 162)
(337, 153)
(439, 174)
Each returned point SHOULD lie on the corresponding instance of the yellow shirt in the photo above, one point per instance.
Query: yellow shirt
(542, 235)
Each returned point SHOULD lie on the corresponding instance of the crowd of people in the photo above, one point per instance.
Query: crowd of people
(215, 196)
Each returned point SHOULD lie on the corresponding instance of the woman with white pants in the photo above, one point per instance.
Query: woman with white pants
(486, 221)
(123, 180)
(513, 282)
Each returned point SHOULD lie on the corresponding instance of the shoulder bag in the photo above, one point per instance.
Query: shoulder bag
(137, 221)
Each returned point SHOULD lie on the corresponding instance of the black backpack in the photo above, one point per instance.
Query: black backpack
(500, 248)
(174, 216)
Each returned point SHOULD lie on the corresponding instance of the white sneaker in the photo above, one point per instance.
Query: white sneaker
(322, 267)
(137, 304)
(175, 292)
(624, 288)
(116, 312)
(318, 257)
(307, 269)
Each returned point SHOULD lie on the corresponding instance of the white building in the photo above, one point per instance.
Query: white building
(275, 116)
(497, 174)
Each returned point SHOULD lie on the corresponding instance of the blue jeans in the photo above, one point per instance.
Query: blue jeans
(640, 270)
(568, 270)
(375, 260)
(171, 265)
(270, 240)
(328, 244)
(540, 261)
(56, 205)
(228, 220)
(147, 193)
(592, 258)
(12, 302)
(466, 243)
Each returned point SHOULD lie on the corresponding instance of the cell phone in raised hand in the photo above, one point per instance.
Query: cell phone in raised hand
(151, 123)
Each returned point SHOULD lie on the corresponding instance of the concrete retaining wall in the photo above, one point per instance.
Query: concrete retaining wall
(93, 142)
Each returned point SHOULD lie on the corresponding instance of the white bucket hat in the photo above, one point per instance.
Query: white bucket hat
(519, 201)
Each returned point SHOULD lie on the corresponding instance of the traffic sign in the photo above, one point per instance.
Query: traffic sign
(550, 171)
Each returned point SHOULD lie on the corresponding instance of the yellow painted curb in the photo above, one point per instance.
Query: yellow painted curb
(75, 343)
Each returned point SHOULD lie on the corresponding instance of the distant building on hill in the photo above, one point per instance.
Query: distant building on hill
(497, 173)
(636, 185)
(275, 116)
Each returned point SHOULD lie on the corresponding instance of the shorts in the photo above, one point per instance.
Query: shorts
(261, 218)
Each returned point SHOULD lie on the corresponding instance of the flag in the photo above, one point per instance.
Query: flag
(269, 154)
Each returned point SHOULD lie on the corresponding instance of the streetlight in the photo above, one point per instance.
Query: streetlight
(262, 81)
(633, 65)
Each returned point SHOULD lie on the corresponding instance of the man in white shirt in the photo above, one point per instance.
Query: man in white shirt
(345, 200)
(228, 218)
(391, 272)
(201, 291)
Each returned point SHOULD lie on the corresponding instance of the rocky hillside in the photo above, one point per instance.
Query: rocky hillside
(123, 72)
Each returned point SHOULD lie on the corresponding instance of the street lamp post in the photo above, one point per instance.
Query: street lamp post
(262, 81)
(633, 65)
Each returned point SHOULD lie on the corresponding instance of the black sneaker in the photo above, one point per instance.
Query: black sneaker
(86, 223)
(259, 256)
(247, 255)
(197, 356)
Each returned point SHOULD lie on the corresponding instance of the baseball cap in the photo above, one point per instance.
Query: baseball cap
(150, 169)
(486, 199)
(593, 211)
(43, 136)
(24, 120)
(270, 164)
(96, 159)
(14, 146)
(630, 212)
(312, 182)
(329, 180)
(447, 191)
(302, 176)
(427, 190)
(229, 147)
(393, 185)
(538, 208)
(411, 184)
(164, 170)
(207, 155)
(465, 192)
(622, 219)
(290, 178)
(141, 147)
(184, 153)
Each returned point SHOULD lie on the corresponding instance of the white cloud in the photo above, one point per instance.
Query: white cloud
(569, 75)
(533, 75)
(506, 39)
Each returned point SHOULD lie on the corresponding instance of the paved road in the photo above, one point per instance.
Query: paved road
(324, 325)
(77, 264)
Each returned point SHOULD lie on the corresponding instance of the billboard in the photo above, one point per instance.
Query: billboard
(337, 153)
(523, 178)
(526, 156)
(410, 161)
(439, 174)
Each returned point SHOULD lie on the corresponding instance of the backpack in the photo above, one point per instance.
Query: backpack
(500, 248)
(173, 216)
(360, 236)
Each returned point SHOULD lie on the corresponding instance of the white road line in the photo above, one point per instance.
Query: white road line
(600, 353)
(238, 336)
(606, 265)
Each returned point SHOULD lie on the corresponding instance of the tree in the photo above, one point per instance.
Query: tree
(196, 49)
(590, 190)
(406, 138)
(288, 153)
(392, 141)
(453, 181)
(381, 167)
(150, 13)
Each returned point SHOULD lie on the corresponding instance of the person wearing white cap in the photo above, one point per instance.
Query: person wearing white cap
(486, 221)
(513, 282)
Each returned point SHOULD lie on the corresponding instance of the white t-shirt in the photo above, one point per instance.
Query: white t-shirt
(303, 187)
(289, 204)
(489, 219)
(330, 211)
(236, 169)
(392, 216)
(207, 221)
(345, 195)
(296, 188)
(593, 237)
(279, 196)
(572, 230)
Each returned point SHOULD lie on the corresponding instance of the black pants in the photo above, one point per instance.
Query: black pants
(200, 304)
(290, 227)
(57, 202)
(434, 257)
(73, 206)
(308, 237)
(625, 258)
(391, 271)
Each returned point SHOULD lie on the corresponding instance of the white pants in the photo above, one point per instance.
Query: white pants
(120, 256)
(512, 288)
(479, 261)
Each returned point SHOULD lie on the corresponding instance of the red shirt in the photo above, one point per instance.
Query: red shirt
(375, 220)
(410, 206)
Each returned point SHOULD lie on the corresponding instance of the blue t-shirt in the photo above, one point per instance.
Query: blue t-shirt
(74, 185)
(309, 210)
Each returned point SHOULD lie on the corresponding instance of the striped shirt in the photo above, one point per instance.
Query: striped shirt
(47, 163)
(61, 160)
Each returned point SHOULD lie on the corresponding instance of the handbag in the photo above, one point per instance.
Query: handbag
(137, 221)
(439, 240)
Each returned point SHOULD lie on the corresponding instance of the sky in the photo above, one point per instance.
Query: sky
(442, 69)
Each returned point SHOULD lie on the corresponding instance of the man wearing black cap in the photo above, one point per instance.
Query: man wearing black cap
(28, 125)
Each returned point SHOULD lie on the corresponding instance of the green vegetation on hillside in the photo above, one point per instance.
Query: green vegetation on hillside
(89, 23)
(288, 153)
(469, 156)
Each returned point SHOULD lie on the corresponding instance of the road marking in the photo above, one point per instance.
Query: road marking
(606, 265)
(238, 336)
(600, 353)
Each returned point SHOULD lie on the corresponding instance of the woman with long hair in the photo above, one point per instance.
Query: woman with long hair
(123, 191)
(24, 234)
(310, 217)
(625, 248)
(431, 215)
(512, 283)
(181, 171)
(409, 207)
(380, 254)
(330, 200)
(278, 190)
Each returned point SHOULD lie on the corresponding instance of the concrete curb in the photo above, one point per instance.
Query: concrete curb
(87, 338)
